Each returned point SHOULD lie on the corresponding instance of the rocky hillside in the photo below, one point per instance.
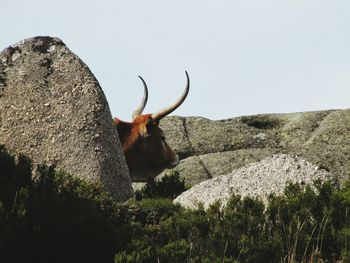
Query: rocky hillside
(212, 148)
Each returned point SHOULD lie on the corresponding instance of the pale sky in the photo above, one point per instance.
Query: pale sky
(243, 57)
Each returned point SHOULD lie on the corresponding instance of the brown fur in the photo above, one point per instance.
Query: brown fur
(146, 151)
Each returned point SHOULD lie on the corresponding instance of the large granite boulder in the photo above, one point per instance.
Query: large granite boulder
(259, 179)
(212, 148)
(53, 110)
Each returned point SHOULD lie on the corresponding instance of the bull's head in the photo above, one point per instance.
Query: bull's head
(145, 148)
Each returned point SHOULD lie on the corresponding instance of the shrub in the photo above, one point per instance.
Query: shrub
(301, 226)
(60, 218)
(56, 218)
(170, 186)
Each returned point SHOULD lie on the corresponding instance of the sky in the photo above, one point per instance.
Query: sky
(243, 57)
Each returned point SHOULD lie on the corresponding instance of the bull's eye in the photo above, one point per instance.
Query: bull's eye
(149, 126)
(162, 138)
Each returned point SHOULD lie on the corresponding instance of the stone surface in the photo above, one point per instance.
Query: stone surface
(53, 110)
(211, 148)
(258, 179)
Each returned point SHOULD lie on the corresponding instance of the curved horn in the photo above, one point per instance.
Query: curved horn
(140, 109)
(166, 111)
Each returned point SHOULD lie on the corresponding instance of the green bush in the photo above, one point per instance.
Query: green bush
(170, 186)
(56, 218)
(59, 218)
(303, 225)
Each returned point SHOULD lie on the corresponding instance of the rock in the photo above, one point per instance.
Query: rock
(198, 168)
(53, 110)
(327, 144)
(211, 148)
(258, 179)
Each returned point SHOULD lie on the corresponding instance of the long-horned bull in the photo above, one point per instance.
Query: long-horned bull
(145, 148)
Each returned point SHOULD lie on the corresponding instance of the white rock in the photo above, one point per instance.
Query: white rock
(259, 179)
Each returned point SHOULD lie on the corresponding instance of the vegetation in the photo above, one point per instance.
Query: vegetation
(169, 187)
(59, 218)
(55, 218)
